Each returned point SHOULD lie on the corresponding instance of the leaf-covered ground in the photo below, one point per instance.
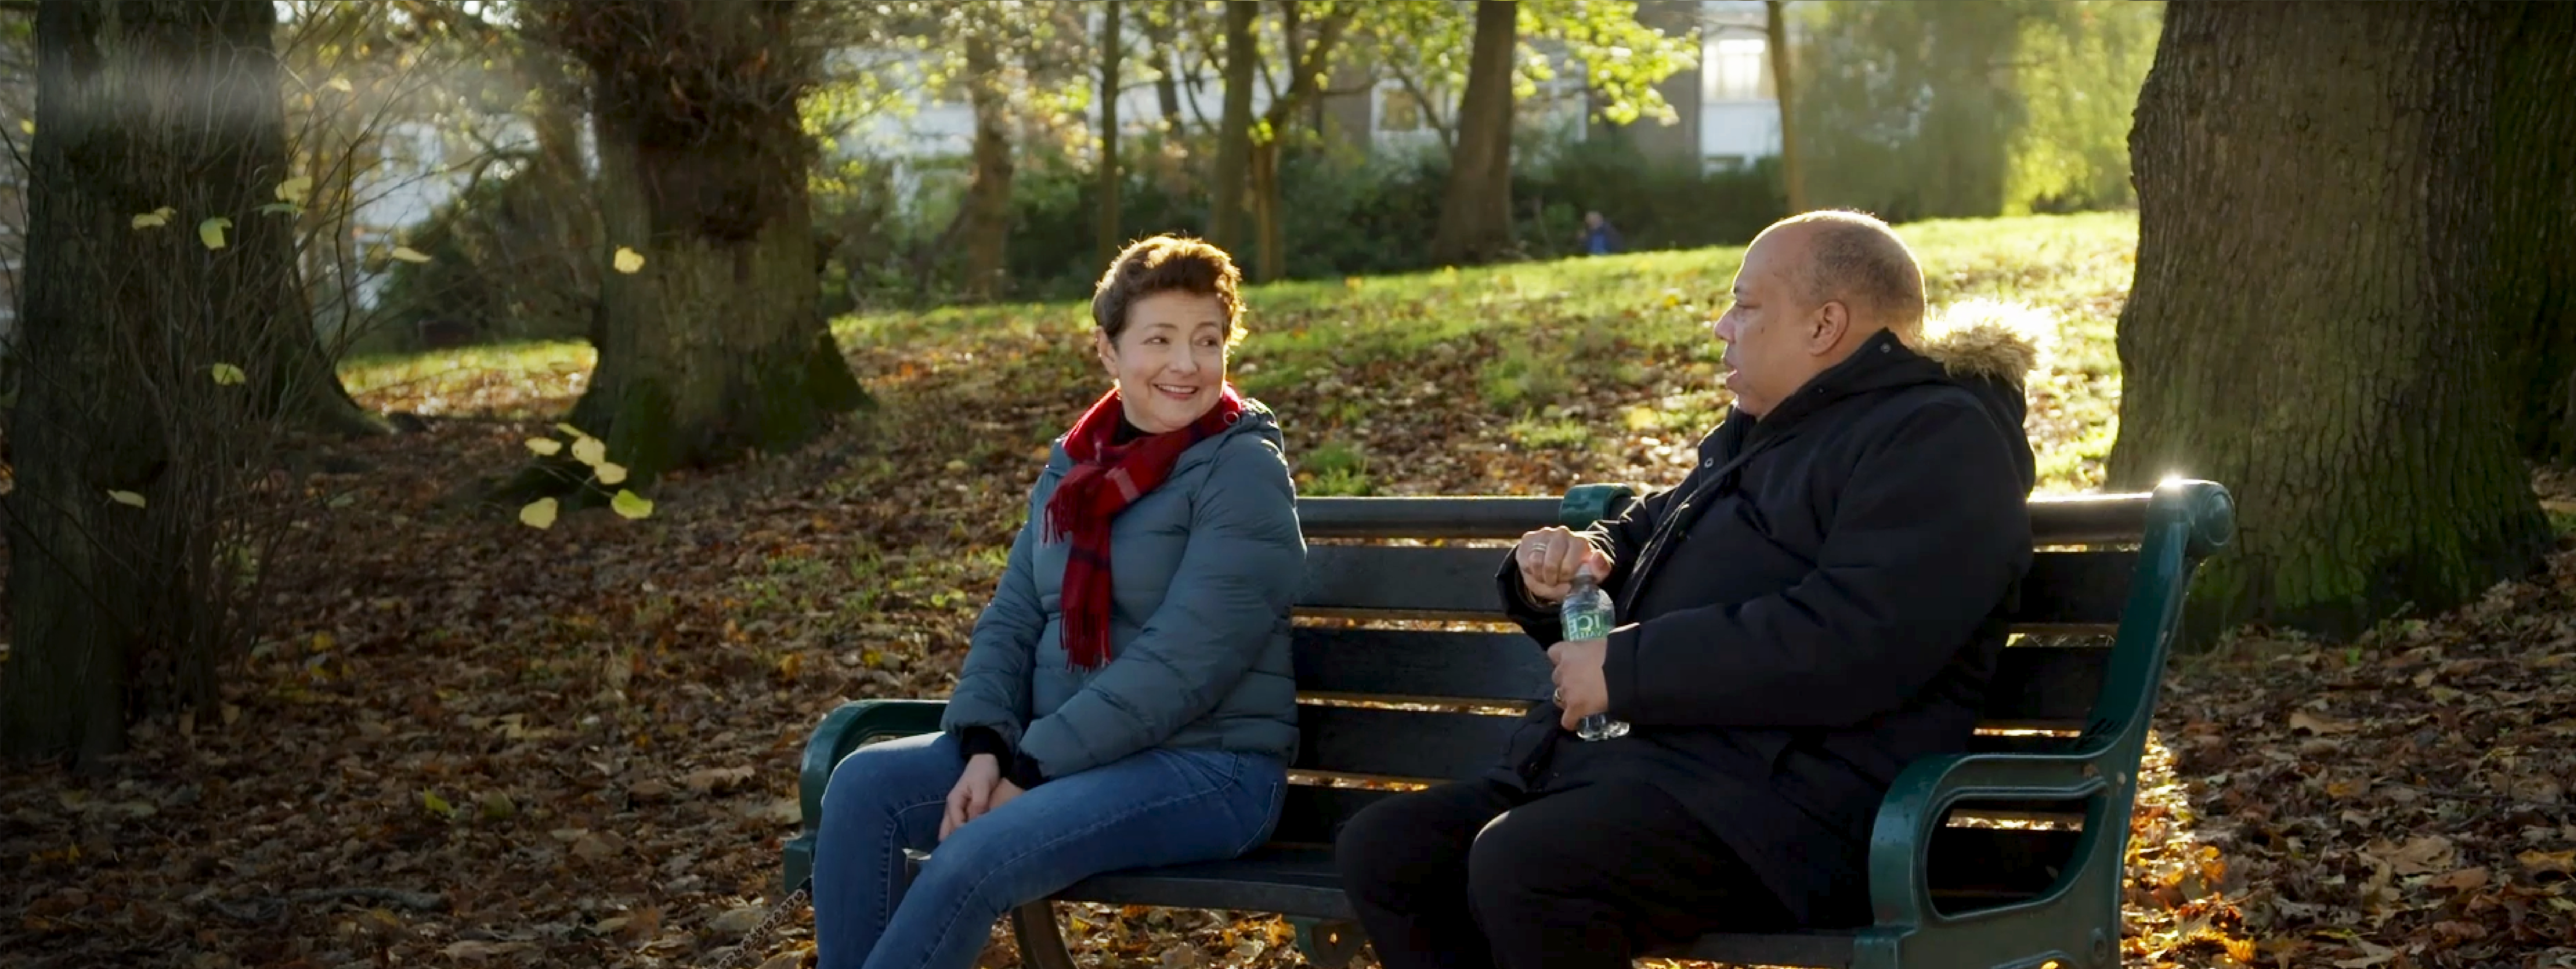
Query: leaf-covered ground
(471, 742)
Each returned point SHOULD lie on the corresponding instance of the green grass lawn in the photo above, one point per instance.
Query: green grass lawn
(1511, 378)
(1578, 359)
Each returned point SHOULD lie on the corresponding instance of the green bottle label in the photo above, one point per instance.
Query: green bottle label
(1586, 624)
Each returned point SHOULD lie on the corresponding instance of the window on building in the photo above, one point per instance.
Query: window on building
(1736, 69)
(1399, 110)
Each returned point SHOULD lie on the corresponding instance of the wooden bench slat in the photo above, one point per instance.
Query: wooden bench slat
(1384, 582)
(1399, 743)
(2035, 687)
(1421, 663)
(2074, 591)
(1426, 517)
(2064, 591)
(2054, 519)
(2044, 687)
(1312, 815)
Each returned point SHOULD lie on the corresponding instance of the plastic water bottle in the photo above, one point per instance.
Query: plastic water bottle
(1587, 614)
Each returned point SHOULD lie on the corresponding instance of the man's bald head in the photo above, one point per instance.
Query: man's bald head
(1857, 259)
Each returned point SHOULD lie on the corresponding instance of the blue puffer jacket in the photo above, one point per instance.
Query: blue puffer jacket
(1203, 570)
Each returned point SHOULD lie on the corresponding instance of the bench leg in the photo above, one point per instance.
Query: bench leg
(1041, 942)
(1327, 943)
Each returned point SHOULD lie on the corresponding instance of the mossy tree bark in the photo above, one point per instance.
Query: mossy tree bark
(717, 343)
(2315, 225)
(2536, 212)
(134, 458)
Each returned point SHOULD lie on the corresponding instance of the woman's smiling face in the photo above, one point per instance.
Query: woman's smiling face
(1169, 361)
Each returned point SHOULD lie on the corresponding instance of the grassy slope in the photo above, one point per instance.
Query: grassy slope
(1580, 368)
(1600, 367)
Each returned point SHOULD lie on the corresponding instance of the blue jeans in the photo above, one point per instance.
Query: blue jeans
(1155, 807)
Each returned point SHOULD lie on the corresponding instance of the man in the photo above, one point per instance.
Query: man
(1812, 608)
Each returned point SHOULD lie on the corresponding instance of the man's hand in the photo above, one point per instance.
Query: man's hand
(1549, 559)
(974, 794)
(1581, 689)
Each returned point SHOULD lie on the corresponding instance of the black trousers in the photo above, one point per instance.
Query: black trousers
(1476, 874)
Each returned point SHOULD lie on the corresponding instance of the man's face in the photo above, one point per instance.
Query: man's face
(1769, 329)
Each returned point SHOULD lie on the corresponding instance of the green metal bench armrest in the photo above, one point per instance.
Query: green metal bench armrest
(842, 731)
(1900, 843)
(1589, 503)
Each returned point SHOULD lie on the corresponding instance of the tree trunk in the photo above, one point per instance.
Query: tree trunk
(2536, 208)
(2314, 190)
(1973, 111)
(1270, 260)
(1110, 233)
(1163, 34)
(1308, 60)
(988, 197)
(169, 108)
(1476, 210)
(717, 342)
(1783, 86)
(559, 283)
(1234, 129)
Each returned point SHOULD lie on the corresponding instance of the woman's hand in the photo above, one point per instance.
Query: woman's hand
(974, 793)
(1549, 559)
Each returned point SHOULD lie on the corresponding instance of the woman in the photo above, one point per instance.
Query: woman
(1126, 700)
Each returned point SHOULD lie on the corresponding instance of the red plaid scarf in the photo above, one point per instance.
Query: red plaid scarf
(1106, 478)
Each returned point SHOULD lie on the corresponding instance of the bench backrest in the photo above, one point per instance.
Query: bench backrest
(1395, 684)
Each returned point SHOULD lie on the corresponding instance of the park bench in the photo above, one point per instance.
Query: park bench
(2008, 856)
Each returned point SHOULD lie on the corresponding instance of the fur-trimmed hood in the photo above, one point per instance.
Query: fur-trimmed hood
(1988, 339)
(1985, 348)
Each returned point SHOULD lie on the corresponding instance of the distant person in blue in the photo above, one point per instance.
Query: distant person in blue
(1600, 238)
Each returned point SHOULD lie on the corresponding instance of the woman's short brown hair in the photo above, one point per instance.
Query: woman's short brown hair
(1162, 264)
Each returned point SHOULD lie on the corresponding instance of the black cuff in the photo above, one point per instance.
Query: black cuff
(1025, 772)
(1541, 622)
(984, 740)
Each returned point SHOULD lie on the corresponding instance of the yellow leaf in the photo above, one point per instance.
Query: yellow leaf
(628, 260)
(126, 498)
(539, 513)
(227, 374)
(27, 125)
(569, 429)
(790, 664)
(631, 505)
(545, 445)
(211, 231)
(409, 254)
(152, 220)
(322, 642)
(610, 473)
(2537, 861)
(590, 451)
(340, 84)
(437, 805)
(294, 189)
